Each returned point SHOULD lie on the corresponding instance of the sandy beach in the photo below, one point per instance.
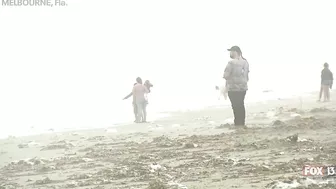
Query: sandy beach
(195, 149)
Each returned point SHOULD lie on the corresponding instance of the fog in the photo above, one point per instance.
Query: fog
(73, 65)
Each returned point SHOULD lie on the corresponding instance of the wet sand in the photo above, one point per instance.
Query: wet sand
(196, 149)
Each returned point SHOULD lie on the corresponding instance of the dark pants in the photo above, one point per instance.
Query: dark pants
(237, 102)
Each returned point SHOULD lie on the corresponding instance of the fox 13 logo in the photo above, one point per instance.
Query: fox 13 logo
(319, 171)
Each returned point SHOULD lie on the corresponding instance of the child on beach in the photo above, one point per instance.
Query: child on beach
(326, 83)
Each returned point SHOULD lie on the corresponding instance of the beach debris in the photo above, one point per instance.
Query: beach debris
(309, 181)
(284, 185)
(278, 123)
(164, 141)
(96, 138)
(9, 186)
(190, 145)
(46, 180)
(244, 159)
(24, 145)
(319, 110)
(72, 184)
(280, 153)
(27, 164)
(304, 140)
(75, 134)
(87, 159)
(226, 125)
(157, 184)
(126, 160)
(265, 167)
(70, 153)
(295, 110)
(295, 182)
(177, 185)
(293, 138)
(28, 144)
(58, 145)
(78, 176)
(154, 167)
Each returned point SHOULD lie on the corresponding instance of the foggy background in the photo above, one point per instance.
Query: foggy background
(71, 66)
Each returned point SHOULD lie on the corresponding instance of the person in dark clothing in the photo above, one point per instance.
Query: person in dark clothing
(236, 75)
(326, 83)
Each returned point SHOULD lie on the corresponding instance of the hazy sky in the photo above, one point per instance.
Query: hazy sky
(65, 64)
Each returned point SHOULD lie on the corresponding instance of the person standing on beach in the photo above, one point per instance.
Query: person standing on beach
(236, 75)
(326, 83)
(139, 91)
(148, 85)
(135, 109)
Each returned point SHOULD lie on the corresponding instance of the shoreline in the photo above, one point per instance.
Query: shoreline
(132, 155)
(220, 114)
(167, 115)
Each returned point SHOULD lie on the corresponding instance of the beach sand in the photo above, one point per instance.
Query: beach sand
(195, 149)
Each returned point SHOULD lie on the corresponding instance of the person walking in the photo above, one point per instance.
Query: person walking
(236, 74)
(326, 83)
